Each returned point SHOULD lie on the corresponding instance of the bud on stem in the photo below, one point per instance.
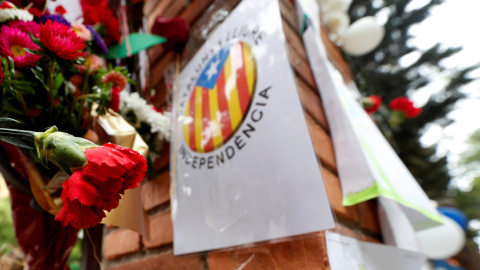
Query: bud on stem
(64, 150)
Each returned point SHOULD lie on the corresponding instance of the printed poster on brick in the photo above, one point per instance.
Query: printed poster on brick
(244, 166)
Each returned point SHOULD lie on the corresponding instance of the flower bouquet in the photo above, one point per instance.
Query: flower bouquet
(52, 72)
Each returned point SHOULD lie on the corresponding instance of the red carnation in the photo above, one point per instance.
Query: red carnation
(61, 40)
(405, 105)
(99, 175)
(115, 99)
(175, 30)
(100, 12)
(111, 169)
(372, 103)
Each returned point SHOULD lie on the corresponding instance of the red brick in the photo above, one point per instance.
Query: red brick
(195, 9)
(175, 8)
(157, 10)
(163, 261)
(334, 193)
(154, 54)
(164, 159)
(312, 103)
(301, 66)
(345, 231)
(156, 191)
(149, 6)
(335, 55)
(322, 144)
(293, 38)
(287, 10)
(369, 214)
(306, 253)
(160, 97)
(120, 242)
(159, 67)
(161, 231)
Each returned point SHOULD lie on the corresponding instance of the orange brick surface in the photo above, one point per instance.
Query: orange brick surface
(164, 262)
(120, 242)
(322, 144)
(334, 192)
(369, 216)
(161, 230)
(308, 254)
(156, 191)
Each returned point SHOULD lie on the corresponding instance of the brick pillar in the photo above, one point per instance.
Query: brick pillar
(124, 249)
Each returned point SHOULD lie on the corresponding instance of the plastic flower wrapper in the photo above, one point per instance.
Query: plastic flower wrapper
(99, 174)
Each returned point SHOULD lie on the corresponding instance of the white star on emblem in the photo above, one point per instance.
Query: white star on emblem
(212, 70)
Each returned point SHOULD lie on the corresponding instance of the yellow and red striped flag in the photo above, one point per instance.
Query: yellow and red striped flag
(220, 98)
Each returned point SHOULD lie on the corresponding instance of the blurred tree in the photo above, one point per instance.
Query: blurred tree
(468, 199)
(381, 73)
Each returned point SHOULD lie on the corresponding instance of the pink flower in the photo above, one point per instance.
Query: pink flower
(92, 63)
(61, 40)
(405, 105)
(12, 42)
(82, 31)
(116, 78)
(26, 27)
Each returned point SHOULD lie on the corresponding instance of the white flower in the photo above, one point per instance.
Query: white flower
(15, 14)
(158, 122)
(70, 87)
(336, 22)
(334, 5)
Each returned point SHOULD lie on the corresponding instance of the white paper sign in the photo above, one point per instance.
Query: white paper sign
(367, 165)
(72, 7)
(396, 227)
(245, 166)
(346, 253)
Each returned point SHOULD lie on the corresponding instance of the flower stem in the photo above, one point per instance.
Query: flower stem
(50, 90)
(24, 105)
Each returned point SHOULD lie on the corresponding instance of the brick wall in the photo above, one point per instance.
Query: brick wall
(124, 249)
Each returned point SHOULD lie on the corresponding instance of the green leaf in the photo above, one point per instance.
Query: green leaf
(57, 83)
(11, 64)
(15, 142)
(34, 51)
(23, 86)
(36, 40)
(8, 120)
